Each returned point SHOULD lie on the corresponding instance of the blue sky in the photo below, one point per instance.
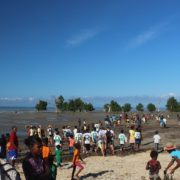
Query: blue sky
(89, 48)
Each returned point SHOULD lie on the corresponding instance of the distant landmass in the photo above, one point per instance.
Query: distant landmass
(97, 101)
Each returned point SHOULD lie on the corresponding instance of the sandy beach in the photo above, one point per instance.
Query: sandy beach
(130, 167)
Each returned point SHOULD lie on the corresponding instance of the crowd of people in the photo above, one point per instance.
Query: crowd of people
(46, 146)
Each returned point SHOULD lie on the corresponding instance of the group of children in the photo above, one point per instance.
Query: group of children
(39, 162)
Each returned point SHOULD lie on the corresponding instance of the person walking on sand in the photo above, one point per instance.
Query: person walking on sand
(122, 140)
(153, 166)
(87, 139)
(50, 134)
(94, 135)
(77, 161)
(78, 137)
(132, 138)
(57, 139)
(138, 138)
(58, 155)
(71, 144)
(175, 154)
(46, 151)
(157, 140)
(12, 146)
(110, 140)
(102, 140)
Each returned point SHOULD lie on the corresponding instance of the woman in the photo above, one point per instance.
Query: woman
(33, 165)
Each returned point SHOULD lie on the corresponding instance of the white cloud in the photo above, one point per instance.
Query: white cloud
(172, 94)
(11, 99)
(31, 99)
(82, 37)
(146, 36)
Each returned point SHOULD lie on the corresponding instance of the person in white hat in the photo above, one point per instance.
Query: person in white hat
(175, 154)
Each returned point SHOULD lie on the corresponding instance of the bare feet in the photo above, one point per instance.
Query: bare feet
(77, 177)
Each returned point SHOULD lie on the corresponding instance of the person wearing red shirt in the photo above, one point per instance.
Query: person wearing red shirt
(12, 146)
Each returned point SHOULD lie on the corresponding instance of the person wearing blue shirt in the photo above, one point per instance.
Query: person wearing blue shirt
(175, 154)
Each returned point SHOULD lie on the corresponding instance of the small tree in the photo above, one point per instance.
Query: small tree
(127, 107)
(115, 106)
(140, 107)
(71, 105)
(106, 107)
(151, 107)
(88, 107)
(65, 106)
(41, 106)
(59, 102)
(79, 104)
(172, 105)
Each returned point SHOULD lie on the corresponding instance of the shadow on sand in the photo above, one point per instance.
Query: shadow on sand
(94, 175)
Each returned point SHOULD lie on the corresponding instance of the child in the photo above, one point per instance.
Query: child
(58, 155)
(76, 161)
(34, 167)
(57, 138)
(132, 137)
(122, 140)
(94, 135)
(138, 138)
(153, 166)
(46, 151)
(71, 144)
(53, 168)
(157, 139)
(87, 141)
(102, 140)
(78, 136)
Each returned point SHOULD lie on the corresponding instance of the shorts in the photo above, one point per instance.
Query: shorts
(71, 149)
(87, 146)
(94, 141)
(122, 145)
(132, 141)
(100, 144)
(138, 141)
(11, 155)
(155, 176)
(79, 165)
(110, 143)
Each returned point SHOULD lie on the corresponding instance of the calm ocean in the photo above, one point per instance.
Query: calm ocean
(23, 109)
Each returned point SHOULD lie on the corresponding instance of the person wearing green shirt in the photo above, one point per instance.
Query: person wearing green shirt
(58, 155)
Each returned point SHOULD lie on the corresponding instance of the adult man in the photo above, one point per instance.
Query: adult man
(175, 154)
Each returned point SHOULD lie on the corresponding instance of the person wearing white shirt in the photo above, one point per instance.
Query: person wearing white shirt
(87, 140)
(122, 140)
(165, 121)
(75, 130)
(57, 139)
(157, 140)
(78, 137)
